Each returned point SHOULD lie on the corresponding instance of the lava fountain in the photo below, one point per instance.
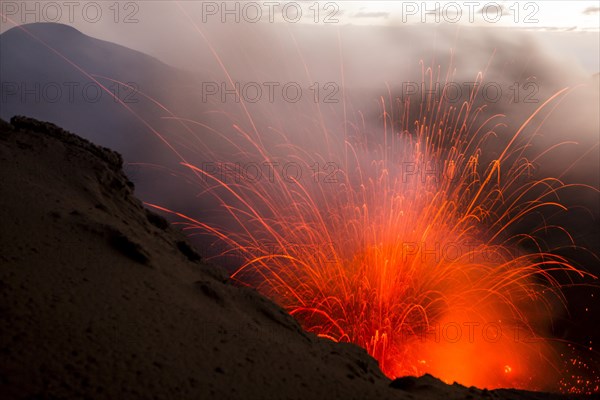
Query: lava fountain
(399, 240)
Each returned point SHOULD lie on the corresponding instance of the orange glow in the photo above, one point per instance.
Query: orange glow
(406, 250)
(418, 269)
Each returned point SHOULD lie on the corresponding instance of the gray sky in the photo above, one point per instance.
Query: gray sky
(164, 28)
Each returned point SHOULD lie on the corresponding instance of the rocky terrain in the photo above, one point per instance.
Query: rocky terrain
(102, 299)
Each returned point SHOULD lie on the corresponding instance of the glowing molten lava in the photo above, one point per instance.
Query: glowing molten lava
(399, 240)
(405, 250)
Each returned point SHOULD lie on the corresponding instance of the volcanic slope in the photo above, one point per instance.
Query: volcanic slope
(102, 299)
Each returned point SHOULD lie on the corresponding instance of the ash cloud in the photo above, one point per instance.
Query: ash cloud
(354, 67)
(591, 10)
(368, 63)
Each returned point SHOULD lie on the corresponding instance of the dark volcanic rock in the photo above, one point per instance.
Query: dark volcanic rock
(101, 299)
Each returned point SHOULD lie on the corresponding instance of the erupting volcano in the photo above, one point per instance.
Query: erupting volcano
(399, 240)
(440, 233)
